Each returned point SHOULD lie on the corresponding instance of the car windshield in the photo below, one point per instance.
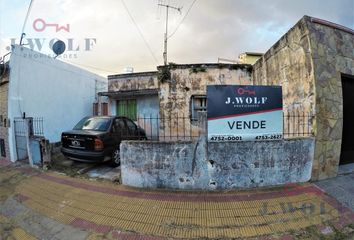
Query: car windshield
(95, 124)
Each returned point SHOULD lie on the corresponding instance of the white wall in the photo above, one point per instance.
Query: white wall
(44, 87)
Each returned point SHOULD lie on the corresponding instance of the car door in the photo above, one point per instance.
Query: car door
(133, 129)
(119, 130)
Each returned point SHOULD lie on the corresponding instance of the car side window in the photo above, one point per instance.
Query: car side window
(131, 126)
(119, 126)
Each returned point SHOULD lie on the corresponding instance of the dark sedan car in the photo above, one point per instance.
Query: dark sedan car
(96, 139)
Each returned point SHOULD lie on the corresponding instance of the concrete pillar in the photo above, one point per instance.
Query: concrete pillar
(200, 160)
(202, 124)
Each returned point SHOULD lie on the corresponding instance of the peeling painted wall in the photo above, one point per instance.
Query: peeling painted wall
(197, 165)
(162, 165)
(132, 81)
(254, 164)
(289, 63)
(189, 80)
(175, 94)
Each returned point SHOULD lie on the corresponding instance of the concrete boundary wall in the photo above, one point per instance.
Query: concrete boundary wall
(209, 166)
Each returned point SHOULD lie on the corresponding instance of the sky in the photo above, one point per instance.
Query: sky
(108, 36)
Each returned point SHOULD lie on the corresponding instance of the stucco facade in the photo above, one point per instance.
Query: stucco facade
(169, 98)
(188, 81)
(40, 86)
(132, 81)
(142, 88)
(308, 61)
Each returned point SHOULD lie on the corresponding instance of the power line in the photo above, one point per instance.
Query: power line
(158, 11)
(141, 34)
(180, 23)
(89, 66)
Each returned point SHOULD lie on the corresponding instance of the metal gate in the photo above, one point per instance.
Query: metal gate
(20, 138)
(34, 128)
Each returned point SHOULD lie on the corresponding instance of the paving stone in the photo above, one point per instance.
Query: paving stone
(340, 188)
(53, 206)
(38, 225)
(346, 169)
(11, 208)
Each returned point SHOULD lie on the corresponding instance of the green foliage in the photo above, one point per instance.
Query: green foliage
(247, 68)
(164, 74)
(196, 69)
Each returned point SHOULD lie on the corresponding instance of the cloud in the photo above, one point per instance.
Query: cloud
(223, 28)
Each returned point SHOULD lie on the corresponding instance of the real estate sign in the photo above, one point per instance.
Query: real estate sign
(244, 113)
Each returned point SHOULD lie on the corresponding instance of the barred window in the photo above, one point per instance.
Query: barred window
(198, 103)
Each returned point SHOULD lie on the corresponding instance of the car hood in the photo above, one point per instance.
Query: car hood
(84, 132)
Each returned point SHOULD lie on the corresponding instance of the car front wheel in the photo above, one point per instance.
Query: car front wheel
(116, 158)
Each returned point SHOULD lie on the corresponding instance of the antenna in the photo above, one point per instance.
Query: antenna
(23, 34)
(166, 31)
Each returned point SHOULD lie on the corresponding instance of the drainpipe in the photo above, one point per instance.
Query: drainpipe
(28, 132)
(99, 113)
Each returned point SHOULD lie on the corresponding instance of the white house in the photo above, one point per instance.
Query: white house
(40, 86)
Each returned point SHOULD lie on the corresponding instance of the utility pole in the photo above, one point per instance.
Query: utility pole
(166, 31)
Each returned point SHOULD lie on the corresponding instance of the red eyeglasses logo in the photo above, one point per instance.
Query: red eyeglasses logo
(242, 91)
